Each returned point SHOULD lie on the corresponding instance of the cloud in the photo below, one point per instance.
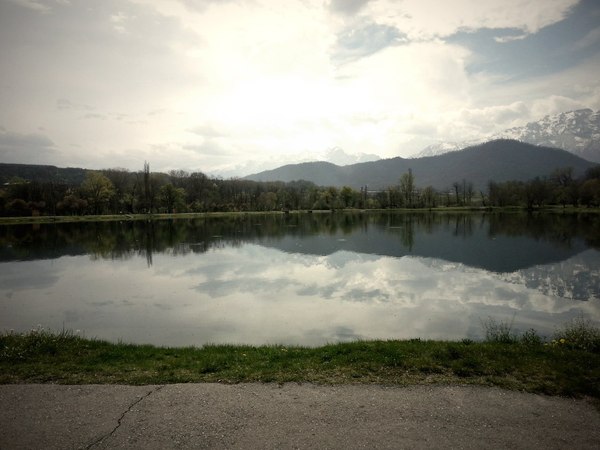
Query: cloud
(427, 19)
(263, 82)
(592, 38)
(14, 278)
(347, 7)
(364, 39)
(490, 119)
(338, 156)
(201, 6)
(207, 130)
(94, 116)
(33, 148)
(555, 104)
(119, 21)
(35, 5)
(505, 39)
(66, 104)
(17, 140)
(209, 148)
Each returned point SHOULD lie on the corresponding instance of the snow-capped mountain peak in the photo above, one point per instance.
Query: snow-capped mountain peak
(577, 132)
(442, 147)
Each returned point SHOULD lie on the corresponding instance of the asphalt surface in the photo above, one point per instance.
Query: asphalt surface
(269, 416)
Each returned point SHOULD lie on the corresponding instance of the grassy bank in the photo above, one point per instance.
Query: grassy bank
(119, 217)
(568, 365)
(128, 217)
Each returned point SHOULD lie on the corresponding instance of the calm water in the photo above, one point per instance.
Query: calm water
(307, 279)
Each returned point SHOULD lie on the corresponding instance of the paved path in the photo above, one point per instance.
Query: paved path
(268, 416)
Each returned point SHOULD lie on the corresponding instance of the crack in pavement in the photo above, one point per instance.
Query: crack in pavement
(120, 419)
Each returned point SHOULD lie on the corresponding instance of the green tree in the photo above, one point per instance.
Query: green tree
(593, 173)
(457, 188)
(535, 192)
(347, 196)
(562, 176)
(124, 185)
(172, 198)
(98, 191)
(428, 197)
(565, 188)
(267, 201)
(407, 188)
(332, 197)
(71, 204)
(505, 194)
(18, 207)
(468, 192)
(590, 192)
(148, 194)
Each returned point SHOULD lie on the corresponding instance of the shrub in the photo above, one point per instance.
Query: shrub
(579, 334)
(499, 332)
(531, 338)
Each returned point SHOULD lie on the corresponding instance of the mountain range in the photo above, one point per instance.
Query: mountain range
(577, 132)
(498, 160)
(570, 139)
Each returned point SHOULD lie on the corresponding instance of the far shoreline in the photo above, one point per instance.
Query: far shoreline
(25, 220)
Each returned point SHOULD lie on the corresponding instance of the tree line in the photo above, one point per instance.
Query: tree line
(119, 191)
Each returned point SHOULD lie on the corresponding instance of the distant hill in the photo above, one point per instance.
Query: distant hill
(499, 160)
(70, 175)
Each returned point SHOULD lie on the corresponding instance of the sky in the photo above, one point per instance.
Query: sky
(232, 87)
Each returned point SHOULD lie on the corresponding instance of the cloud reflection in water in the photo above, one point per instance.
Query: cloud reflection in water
(256, 295)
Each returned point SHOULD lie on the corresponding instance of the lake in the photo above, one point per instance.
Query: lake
(301, 279)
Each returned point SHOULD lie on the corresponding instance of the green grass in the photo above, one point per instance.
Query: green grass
(121, 217)
(128, 217)
(559, 367)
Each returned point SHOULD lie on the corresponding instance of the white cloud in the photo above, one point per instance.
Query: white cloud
(504, 39)
(478, 121)
(555, 104)
(119, 20)
(426, 19)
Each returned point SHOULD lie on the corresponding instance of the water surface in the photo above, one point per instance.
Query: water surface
(301, 279)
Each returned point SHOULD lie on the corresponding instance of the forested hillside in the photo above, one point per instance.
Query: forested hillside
(42, 174)
(500, 160)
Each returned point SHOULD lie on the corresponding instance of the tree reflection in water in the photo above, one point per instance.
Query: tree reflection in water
(501, 242)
